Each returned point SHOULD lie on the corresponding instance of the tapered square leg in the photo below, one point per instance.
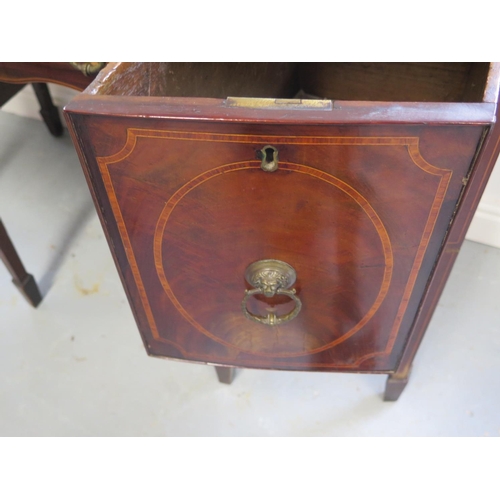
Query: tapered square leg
(395, 386)
(29, 290)
(23, 281)
(225, 374)
(49, 112)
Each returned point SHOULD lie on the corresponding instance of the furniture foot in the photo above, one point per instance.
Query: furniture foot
(225, 374)
(23, 281)
(49, 112)
(29, 289)
(395, 385)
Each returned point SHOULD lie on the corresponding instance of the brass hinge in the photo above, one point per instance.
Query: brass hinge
(259, 102)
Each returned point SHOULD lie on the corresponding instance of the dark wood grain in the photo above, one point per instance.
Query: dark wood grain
(360, 206)
(403, 82)
(423, 82)
(215, 80)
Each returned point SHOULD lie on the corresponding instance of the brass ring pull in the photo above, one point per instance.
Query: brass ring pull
(271, 277)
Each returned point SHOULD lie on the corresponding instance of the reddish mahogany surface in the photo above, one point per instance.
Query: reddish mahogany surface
(361, 206)
(363, 238)
(370, 203)
(47, 72)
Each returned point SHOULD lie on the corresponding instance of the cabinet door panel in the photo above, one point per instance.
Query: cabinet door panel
(360, 213)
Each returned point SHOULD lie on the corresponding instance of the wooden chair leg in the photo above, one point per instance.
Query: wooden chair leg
(225, 374)
(23, 281)
(49, 112)
(396, 382)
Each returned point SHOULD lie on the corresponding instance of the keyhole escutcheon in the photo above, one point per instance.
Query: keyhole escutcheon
(269, 157)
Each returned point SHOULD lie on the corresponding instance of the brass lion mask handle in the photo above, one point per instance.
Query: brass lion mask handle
(271, 277)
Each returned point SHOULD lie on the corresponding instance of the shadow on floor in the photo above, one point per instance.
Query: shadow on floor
(82, 217)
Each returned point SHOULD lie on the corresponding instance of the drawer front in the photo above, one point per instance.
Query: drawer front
(358, 212)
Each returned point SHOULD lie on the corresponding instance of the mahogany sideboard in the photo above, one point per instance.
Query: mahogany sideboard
(287, 216)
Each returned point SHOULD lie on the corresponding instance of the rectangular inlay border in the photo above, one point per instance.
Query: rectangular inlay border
(410, 142)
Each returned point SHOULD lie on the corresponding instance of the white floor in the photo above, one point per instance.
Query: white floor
(76, 365)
